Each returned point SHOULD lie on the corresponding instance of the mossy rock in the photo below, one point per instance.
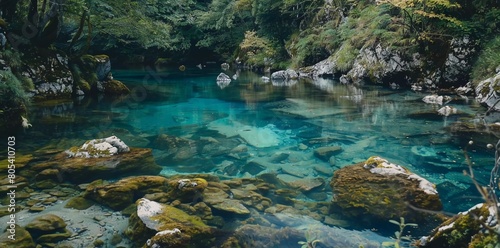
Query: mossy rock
(84, 85)
(464, 230)
(22, 239)
(124, 192)
(20, 162)
(167, 226)
(46, 224)
(48, 229)
(374, 197)
(186, 190)
(83, 170)
(79, 203)
(54, 237)
(115, 88)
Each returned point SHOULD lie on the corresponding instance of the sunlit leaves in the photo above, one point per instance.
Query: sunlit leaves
(421, 16)
(256, 49)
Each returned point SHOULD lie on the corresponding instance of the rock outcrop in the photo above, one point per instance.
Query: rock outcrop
(50, 74)
(381, 64)
(487, 92)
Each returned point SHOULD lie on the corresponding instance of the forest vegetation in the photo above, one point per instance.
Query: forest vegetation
(271, 34)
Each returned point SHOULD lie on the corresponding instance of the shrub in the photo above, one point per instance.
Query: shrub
(12, 92)
(487, 61)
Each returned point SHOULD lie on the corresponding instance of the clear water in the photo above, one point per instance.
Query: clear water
(273, 118)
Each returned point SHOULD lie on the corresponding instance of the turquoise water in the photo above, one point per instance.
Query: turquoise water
(269, 119)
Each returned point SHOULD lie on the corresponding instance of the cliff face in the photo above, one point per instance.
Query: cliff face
(381, 64)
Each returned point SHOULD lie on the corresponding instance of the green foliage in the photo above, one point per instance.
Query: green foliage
(372, 25)
(12, 93)
(125, 23)
(313, 45)
(427, 20)
(488, 61)
(222, 25)
(256, 51)
(13, 59)
(345, 57)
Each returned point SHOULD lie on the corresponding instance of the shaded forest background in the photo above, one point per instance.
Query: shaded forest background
(259, 33)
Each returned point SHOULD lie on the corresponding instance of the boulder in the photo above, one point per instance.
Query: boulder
(114, 88)
(100, 159)
(465, 230)
(322, 68)
(120, 194)
(447, 111)
(159, 225)
(22, 239)
(284, 75)
(186, 189)
(97, 148)
(48, 228)
(436, 99)
(222, 77)
(378, 190)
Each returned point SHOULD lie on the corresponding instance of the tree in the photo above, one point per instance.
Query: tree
(256, 50)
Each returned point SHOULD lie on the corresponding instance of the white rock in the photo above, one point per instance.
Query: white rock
(97, 148)
(435, 99)
(383, 167)
(147, 210)
(447, 111)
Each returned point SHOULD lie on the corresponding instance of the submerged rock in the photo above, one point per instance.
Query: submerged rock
(378, 190)
(186, 189)
(159, 225)
(48, 228)
(98, 159)
(324, 153)
(22, 239)
(126, 191)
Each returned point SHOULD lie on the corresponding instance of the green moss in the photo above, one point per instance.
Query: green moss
(345, 57)
(20, 162)
(115, 88)
(177, 215)
(484, 240)
(79, 203)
